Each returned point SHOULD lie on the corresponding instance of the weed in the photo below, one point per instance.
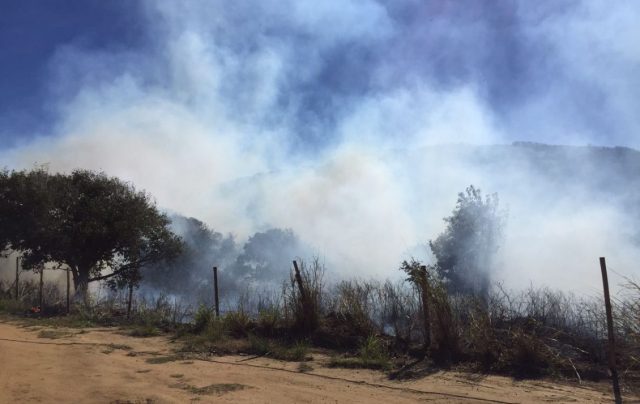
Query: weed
(372, 355)
(291, 353)
(237, 323)
(53, 334)
(219, 388)
(163, 359)
(202, 319)
(144, 331)
(304, 367)
(119, 346)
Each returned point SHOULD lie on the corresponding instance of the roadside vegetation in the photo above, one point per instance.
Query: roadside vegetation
(441, 316)
(379, 325)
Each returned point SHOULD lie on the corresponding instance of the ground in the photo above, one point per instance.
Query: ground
(102, 365)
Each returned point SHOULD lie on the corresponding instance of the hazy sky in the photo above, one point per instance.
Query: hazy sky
(549, 71)
(300, 114)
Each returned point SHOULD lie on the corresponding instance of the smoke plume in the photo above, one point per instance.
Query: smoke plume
(355, 124)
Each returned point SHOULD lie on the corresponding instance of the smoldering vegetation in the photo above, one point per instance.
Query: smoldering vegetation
(456, 312)
(537, 332)
(561, 207)
(257, 264)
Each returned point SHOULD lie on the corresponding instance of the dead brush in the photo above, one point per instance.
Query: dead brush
(238, 323)
(445, 335)
(303, 296)
(627, 312)
(479, 338)
(352, 304)
(269, 320)
(525, 355)
(399, 308)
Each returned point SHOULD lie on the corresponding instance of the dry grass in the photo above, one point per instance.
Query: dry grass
(532, 333)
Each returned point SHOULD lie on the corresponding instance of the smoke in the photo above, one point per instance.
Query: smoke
(345, 122)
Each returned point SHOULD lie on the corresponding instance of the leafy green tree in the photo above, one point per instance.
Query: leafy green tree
(189, 275)
(465, 250)
(267, 255)
(98, 226)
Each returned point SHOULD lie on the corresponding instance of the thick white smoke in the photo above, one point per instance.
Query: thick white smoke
(213, 119)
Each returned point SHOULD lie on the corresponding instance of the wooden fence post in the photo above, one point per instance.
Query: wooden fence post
(612, 346)
(215, 291)
(17, 278)
(303, 294)
(130, 299)
(68, 292)
(41, 295)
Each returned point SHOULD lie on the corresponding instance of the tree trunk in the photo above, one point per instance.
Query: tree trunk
(81, 285)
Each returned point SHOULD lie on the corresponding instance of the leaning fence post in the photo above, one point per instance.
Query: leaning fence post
(17, 278)
(215, 291)
(612, 346)
(303, 293)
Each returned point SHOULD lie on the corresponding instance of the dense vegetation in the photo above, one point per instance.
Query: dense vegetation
(99, 227)
(380, 325)
(445, 315)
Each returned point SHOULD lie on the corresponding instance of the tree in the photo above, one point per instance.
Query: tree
(98, 226)
(190, 273)
(464, 251)
(266, 256)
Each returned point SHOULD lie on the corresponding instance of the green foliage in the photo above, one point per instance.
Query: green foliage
(465, 249)
(87, 221)
(12, 306)
(202, 319)
(265, 254)
(373, 354)
(144, 331)
(271, 348)
(269, 319)
(237, 323)
(158, 360)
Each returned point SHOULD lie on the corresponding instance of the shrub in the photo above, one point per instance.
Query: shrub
(304, 301)
(526, 356)
(265, 347)
(269, 319)
(237, 323)
(352, 304)
(373, 354)
(202, 319)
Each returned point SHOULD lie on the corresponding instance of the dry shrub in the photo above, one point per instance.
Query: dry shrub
(269, 320)
(352, 304)
(525, 355)
(627, 313)
(445, 336)
(372, 354)
(304, 309)
(399, 308)
(202, 318)
(238, 323)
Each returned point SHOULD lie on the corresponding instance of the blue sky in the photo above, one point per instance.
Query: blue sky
(550, 71)
(31, 32)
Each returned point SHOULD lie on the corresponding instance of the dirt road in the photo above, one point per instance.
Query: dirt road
(101, 366)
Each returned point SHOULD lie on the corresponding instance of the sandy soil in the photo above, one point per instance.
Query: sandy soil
(102, 366)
